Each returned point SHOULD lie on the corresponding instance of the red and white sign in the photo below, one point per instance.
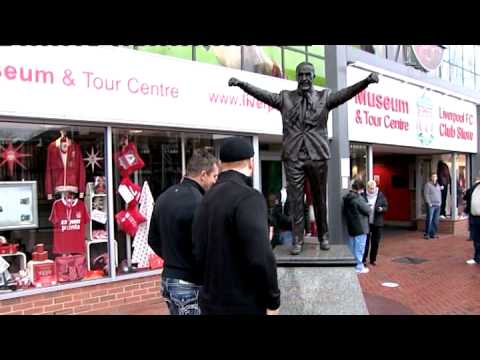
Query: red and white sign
(428, 56)
(117, 85)
(395, 113)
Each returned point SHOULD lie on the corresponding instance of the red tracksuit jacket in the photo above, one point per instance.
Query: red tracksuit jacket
(59, 178)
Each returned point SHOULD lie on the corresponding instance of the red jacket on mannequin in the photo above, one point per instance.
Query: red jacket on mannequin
(65, 168)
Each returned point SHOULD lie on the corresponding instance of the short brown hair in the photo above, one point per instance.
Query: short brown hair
(201, 160)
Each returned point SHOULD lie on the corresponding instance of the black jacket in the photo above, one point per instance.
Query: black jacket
(170, 233)
(468, 198)
(356, 211)
(309, 129)
(232, 250)
(381, 202)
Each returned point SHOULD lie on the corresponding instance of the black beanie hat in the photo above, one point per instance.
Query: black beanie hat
(236, 149)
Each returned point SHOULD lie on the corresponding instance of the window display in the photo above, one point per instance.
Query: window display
(52, 202)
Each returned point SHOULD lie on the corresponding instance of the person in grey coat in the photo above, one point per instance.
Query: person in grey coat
(433, 200)
(356, 211)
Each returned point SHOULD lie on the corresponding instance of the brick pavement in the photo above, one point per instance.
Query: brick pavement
(442, 285)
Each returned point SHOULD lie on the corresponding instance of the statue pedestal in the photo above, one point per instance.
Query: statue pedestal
(318, 282)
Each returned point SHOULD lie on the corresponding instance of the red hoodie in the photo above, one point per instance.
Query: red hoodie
(58, 177)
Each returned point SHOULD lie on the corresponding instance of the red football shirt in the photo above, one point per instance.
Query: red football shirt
(69, 218)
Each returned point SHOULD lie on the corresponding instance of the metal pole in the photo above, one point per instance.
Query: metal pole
(370, 162)
(111, 221)
(453, 191)
(256, 159)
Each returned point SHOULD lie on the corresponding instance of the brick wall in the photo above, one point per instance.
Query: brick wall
(96, 298)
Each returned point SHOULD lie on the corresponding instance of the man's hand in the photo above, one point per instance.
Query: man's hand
(273, 312)
(373, 78)
(233, 82)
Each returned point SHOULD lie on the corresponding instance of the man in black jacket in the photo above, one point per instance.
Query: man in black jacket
(357, 211)
(230, 241)
(170, 233)
(305, 142)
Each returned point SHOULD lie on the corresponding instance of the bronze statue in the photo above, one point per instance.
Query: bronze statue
(305, 142)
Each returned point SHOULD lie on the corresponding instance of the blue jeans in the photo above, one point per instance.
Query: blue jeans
(357, 246)
(181, 296)
(286, 238)
(431, 220)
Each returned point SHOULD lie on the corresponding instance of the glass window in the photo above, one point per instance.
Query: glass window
(266, 60)
(468, 57)
(358, 162)
(53, 203)
(456, 75)
(456, 55)
(445, 71)
(462, 182)
(292, 59)
(319, 65)
(317, 50)
(161, 154)
(300, 48)
(229, 56)
(477, 59)
(477, 82)
(469, 80)
(180, 51)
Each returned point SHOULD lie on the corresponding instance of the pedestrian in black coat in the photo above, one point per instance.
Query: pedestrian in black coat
(230, 241)
(170, 233)
(379, 205)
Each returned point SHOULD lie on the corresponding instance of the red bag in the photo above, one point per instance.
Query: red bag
(71, 267)
(155, 261)
(129, 220)
(128, 160)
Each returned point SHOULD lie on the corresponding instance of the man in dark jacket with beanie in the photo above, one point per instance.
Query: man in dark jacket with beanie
(357, 211)
(230, 241)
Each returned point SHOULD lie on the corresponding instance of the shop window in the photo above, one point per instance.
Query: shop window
(265, 60)
(53, 205)
(179, 51)
(292, 59)
(319, 65)
(358, 162)
(318, 50)
(468, 57)
(477, 82)
(469, 80)
(146, 164)
(462, 182)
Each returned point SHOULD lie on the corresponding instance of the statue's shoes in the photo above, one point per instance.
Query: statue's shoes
(324, 245)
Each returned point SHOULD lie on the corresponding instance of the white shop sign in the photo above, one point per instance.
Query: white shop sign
(392, 112)
(123, 86)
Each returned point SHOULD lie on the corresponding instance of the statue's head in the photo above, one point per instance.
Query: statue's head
(305, 76)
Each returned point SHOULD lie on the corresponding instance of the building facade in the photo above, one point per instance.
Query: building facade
(135, 115)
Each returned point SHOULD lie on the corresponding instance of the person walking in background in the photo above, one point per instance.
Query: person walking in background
(230, 241)
(379, 205)
(433, 200)
(170, 233)
(356, 212)
(472, 208)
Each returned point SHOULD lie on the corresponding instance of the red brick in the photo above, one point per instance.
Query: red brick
(107, 298)
(131, 287)
(84, 295)
(133, 299)
(154, 290)
(147, 285)
(115, 303)
(23, 306)
(45, 302)
(16, 313)
(124, 295)
(72, 304)
(35, 311)
(140, 292)
(53, 308)
(82, 308)
(63, 299)
(115, 290)
(10, 302)
(90, 301)
(99, 293)
(65, 312)
(6, 309)
(149, 296)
